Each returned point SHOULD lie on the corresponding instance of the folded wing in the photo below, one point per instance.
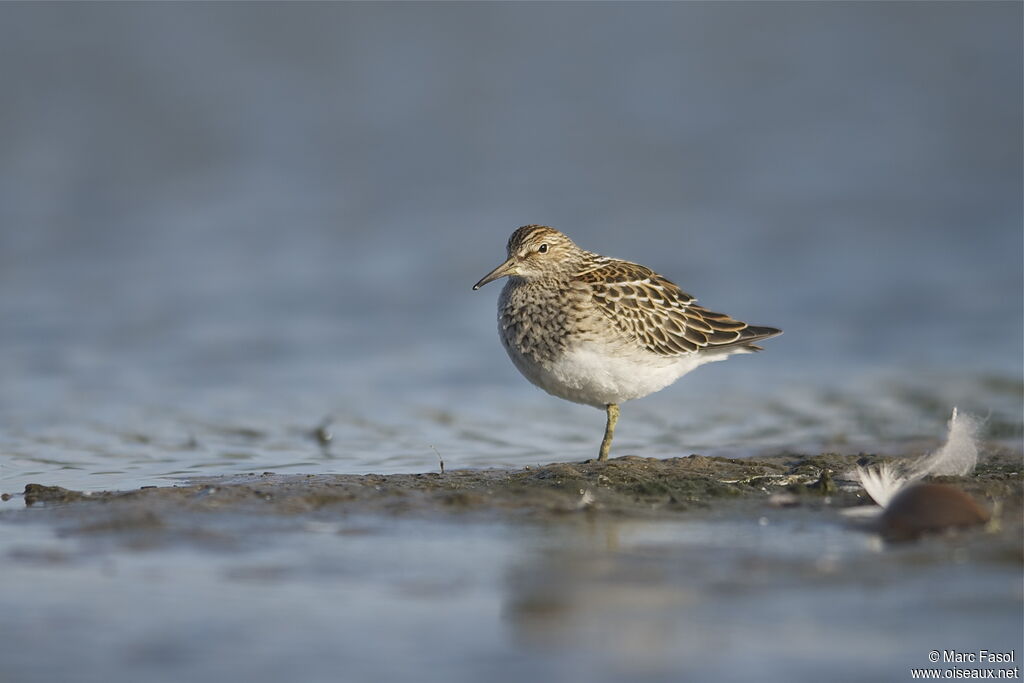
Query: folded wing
(660, 316)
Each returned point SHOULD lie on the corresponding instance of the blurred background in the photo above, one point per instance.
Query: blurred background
(222, 225)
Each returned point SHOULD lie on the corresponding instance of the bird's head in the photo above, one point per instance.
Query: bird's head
(535, 252)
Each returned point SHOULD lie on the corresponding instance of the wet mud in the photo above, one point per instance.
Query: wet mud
(625, 487)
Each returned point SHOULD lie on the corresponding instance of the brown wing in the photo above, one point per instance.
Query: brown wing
(659, 315)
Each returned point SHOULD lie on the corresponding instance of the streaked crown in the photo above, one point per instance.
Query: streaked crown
(530, 238)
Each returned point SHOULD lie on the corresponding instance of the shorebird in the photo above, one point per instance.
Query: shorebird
(601, 331)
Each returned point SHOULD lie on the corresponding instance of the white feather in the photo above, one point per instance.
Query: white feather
(881, 483)
(958, 456)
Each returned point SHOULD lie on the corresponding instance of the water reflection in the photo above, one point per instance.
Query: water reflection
(766, 594)
(738, 593)
(591, 596)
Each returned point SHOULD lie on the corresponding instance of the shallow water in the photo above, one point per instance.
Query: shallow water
(773, 595)
(223, 227)
(116, 447)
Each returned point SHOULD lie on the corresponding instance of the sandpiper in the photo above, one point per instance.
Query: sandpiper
(600, 331)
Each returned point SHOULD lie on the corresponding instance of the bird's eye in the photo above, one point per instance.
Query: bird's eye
(543, 249)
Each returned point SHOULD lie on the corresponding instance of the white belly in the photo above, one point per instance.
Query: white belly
(596, 374)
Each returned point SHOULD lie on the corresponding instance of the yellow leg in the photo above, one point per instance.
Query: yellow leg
(609, 430)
